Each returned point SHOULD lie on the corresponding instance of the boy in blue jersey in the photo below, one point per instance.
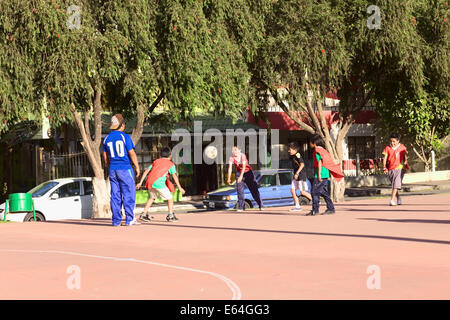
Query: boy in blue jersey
(118, 149)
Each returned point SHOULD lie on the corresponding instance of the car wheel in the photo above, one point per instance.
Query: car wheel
(30, 217)
(247, 205)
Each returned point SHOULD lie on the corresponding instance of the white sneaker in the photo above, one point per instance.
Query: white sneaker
(392, 203)
(132, 223)
(296, 209)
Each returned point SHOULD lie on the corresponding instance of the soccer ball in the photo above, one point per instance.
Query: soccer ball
(210, 152)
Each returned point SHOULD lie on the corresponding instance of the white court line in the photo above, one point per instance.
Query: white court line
(237, 295)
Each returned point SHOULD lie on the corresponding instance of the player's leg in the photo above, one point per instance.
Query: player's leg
(148, 204)
(116, 198)
(128, 189)
(294, 188)
(391, 175)
(303, 190)
(240, 191)
(249, 180)
(315, 194)
(326, 195)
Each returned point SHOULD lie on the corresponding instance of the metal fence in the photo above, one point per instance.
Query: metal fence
(365, 167)
(57, 166)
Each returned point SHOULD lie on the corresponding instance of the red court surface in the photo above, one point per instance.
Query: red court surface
(224, 255)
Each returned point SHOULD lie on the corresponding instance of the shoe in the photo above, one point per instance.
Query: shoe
(311, 213)
(329, 212)
(239, 210)
(296, 209)
(392, 203)
(175, 217)
(145, 217)
(399, 201)
(170, 218)
(261, 209)
(132, 223)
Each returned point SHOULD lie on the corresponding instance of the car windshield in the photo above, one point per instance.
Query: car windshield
(42, 189)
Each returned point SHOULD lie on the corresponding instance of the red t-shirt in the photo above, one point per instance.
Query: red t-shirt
(395, 156)
(238, 163)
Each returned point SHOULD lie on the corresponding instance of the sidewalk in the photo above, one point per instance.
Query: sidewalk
(407, 188)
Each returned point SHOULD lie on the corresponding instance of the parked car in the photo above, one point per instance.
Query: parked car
(59, 199)
(274, 188)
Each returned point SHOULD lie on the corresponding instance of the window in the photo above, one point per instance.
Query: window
(363, 146)
(68, 190)
(42, 189)
(267, 181)
(88, 190)
(285, 178)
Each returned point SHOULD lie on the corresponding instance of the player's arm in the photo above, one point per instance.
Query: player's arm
(138, 186)
(319, 169)
(385, 162)
(177, 182)
(241, 176)
(105, 159)
(300, 168)
(134, 159)
(230, 170)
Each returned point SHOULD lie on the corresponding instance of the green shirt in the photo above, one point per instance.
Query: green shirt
(161, 182)
(324, 172)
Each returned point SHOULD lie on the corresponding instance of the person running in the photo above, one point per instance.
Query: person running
(158, 185)
(244, 176)
(118, 149)
(323, 167)
(299, 181)
(394, 162)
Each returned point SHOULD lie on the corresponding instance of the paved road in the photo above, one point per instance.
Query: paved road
(224, 255)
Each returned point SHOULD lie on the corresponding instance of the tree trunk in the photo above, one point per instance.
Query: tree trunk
(337, 190)
(101, 202)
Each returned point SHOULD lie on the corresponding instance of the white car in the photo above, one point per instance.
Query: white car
(59, 199)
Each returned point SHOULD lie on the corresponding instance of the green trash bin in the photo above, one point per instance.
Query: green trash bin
(20, 202)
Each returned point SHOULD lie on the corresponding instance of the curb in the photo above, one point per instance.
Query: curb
(386, 190)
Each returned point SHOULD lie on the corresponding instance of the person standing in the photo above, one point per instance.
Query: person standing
(323, 167)
(118, 150)
(394, 162)
(244, 176)
(299, 181)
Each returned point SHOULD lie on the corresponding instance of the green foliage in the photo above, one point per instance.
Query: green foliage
(302, 37)
(195, 52)
(424, 115)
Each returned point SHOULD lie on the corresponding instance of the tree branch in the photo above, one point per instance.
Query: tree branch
(87, 143)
